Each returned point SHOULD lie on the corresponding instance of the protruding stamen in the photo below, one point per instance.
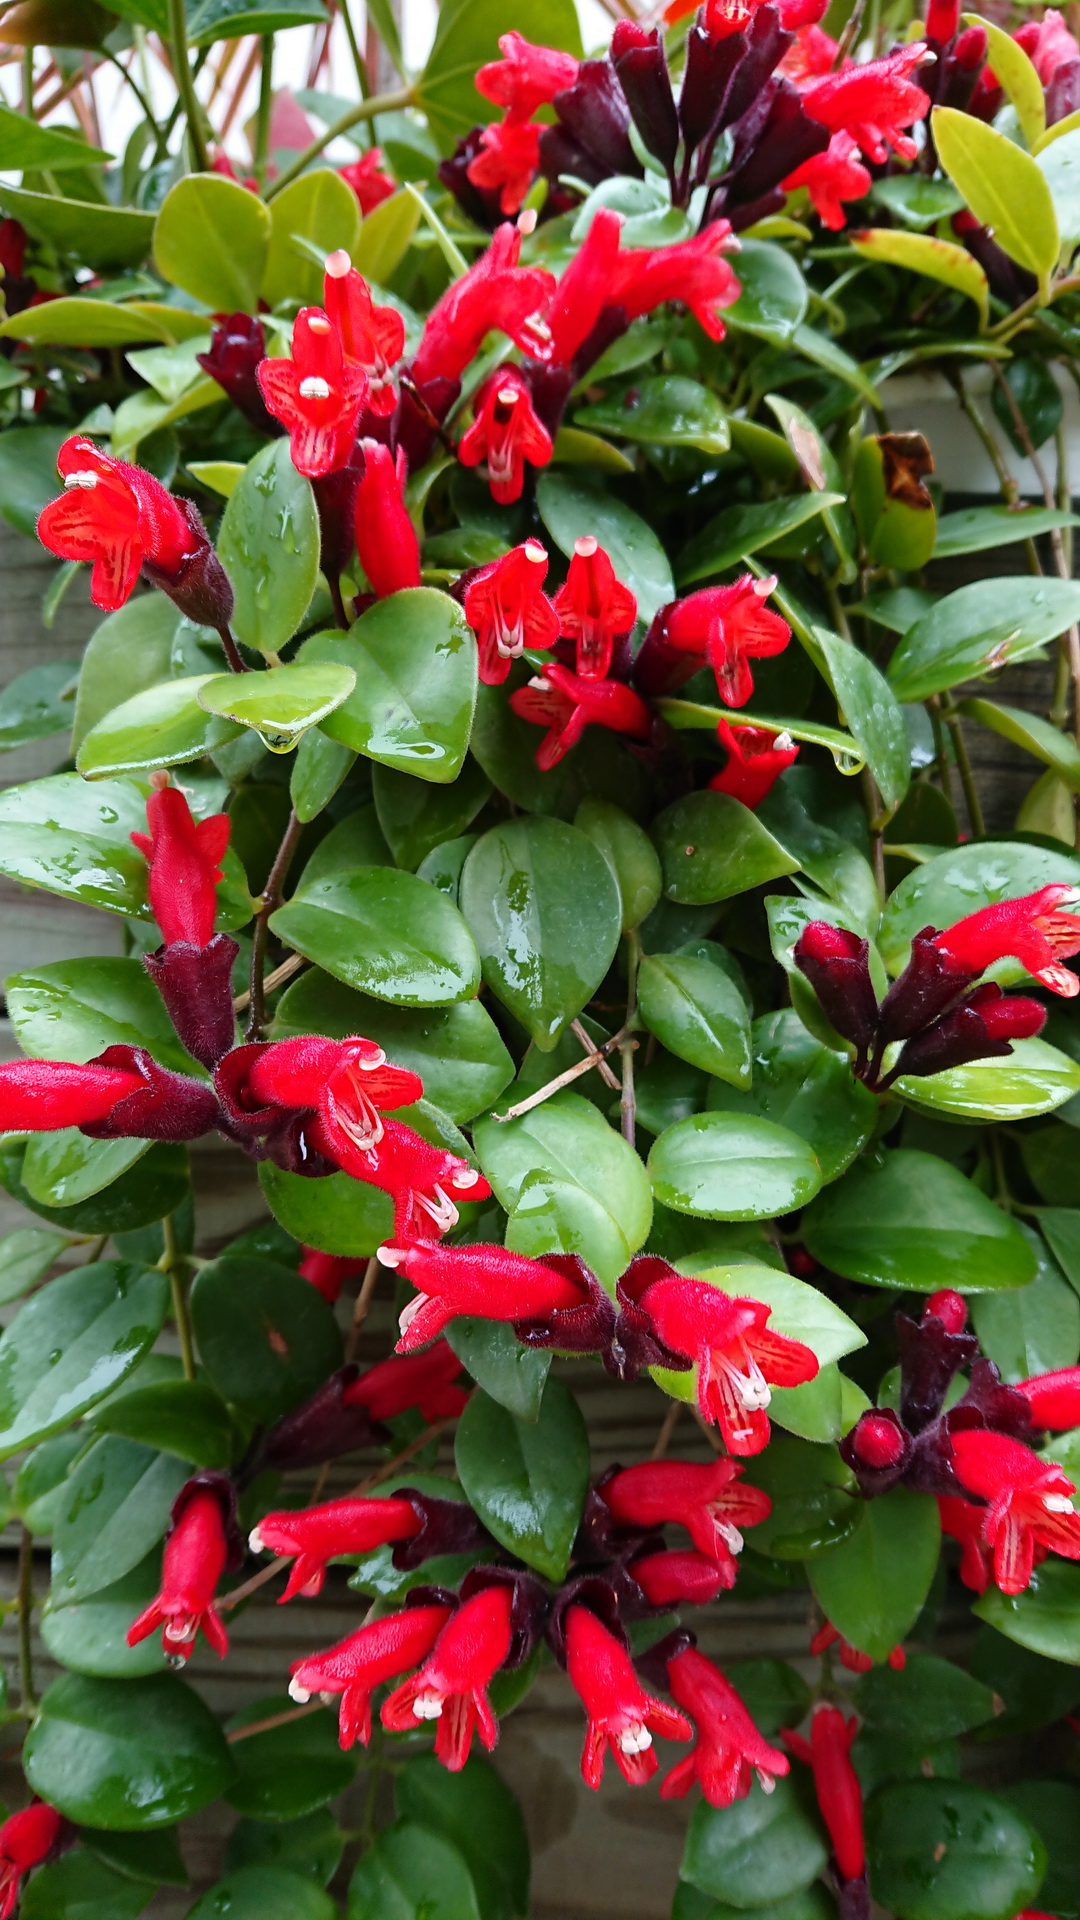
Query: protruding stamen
(313, 388)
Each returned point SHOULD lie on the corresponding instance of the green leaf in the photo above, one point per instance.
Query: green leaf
(288, 1770)
(74, 1009)
(269, 539)
(527, 1480)
(1059, 164)
(127, 1754)
(212, 238)
(1003, 187)
(712, 847)
(984, 529)
(774, 294)
(115, 1507)
(663, 410)
(456, 1050)
(321, 208)
(28, 474)
(153, 1856)
(916, 199)
(185, 1417)
(417, 817)
(1034, 1692)
(509, 1373)
(385, 238)
(728, 1167)
(90, 1636)
(567, 1142)
(356, 841)
(415, 662)
(410, 1874)
(25, 1258)
(267, 1338)
(869, 708)
(80, 1887)
(264, 1893)
(982, 626)
(798, 1311)
(38, 703)
(697, 1012)
(71, 322)
(803, 1086)
(922, 253)
(757, 1851)
(26, 147)
(1030, 731)
(962, 881)
(945, 1850)
(823, 351)
(61, 1169)
(280, 705)
(873, 1584)
(229, 20)
(384, 933)
(319, 769)
(572, 506)
(1035, 1078)
(738, 531)
(467, 36)
(130, 651)
(545, 912)
(1052, 1808)
(312, 1846)
(84, 230)
(928, 1699)
(70, 1345)
(477, 1812)
(161, 727)
(337, 1214)
(629, 853)
(1045, 1618)
(1016, 73)
(813, 1499)
(914, 1221)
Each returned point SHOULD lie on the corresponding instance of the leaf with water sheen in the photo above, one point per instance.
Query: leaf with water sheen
(730, 1167)
(914, 1221)
(527, 1479)
(126, 1754)
(269, 544)
(71, 1344)
(212, 239)
(385, 933)
(414, 658)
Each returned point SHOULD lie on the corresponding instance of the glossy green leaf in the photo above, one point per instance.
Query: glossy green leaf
(572, 507)
(312, 1845)
(982, 626)
(712, 847)
(90, 1636)
(161, 727)
(728, 1167)
(929, 1698)
(99, 236)
(411, 1874)
(38, 703)
(1035, 1078)
(813, 1495)
(697, 1012)
(27, 147)
(984, 529)
(774, 295)
(946, 1850)
(266, 1338)
(415, 663)
(664, 410)
(1032, 1329)
(280, 705)
(130, 651)
(321, 208)
(868, 707)
(456, 1050)
(71, 322)
(155, 1187)
(74, 1009)
(384, 933)
(527, 1479)
(1016, 73)
(417, 816)
(1002, 186)
(153, 1856)
(212, 238)
(264, 1893)
(25, 1258)
(1059, 164)
(803, 1086)
(385, 238)
(1028, 730)
(288, 1770)
(78, 1886)
(1052, 1808)
(212, 20)
(126, 1754)
(337, 1214)
(545, 912)
(63, 1168)
(185, 1417)
(70, 1345)
(467, 36)
(320, 767)
(356, 841)
(509, 1373)
(738, 531)
(924, 254)
(562, 1216)
(269, 541)
(1045, 1618)
(962, 881)
(477, 1812)
(566, 1141)
(115, 1508)
(912, 1220)
(759, 1850)
(917, 199)
(629, 853)
(873, 1584)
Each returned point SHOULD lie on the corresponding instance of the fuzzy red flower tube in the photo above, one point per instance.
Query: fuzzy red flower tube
(315, 1535)
(385, 536)
(505, 433)
(27, 1839)
(364, 1661)
(566, 703)
(1037, 930)
(489, 1282)
(425, 1381)
(451, 1686)
(836, 1784)
(622, 1717)
(508, 610)
(707, 1499)
(729, 1752)
(737, 1356)
(196, 1553)
(1029, 1504)
(371, 337)
(594, 608)
(317, 395)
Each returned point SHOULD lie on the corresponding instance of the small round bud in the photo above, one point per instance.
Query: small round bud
(878, 1440)
(950, 1308)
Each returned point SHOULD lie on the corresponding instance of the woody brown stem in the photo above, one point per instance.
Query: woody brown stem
(271, 900)
(564, 1079)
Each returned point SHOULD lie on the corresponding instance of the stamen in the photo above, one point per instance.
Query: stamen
(391, 1257)
(368, 1062)
(783, 742)
(463, 1178)
(441, 1209)
(83, 479)
(298, 1693)
(410, 1310)
(536, 553)
(338, 264)
(255, 1541)
(1058, 1503)
(526, 220)
(766, 1781)
(318, 323)
(428, 1706)
(314, 389)
(635, 1738)
(729, 1534)
(586, 547)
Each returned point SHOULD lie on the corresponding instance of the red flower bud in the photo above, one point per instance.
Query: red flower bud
(385, 536)
(505, 432)
(639, 60)
(950, 1308)
(565, 703)
(837, 965)
(328, 1272)
(39, 1096)
(622, 1716)
(729, 1750)
(1054, 1399)
(526, 77)
(756, 758)
(237, 346)
(318, 1534)
(421, 1380)
(370, 185)
(196, 1552)
(451, 1686)
(705, 1499)
(357, 1665)
(836, 1784)
(878, 1440)
(942, 20)
(26, 1839)
(672, 1579)
(489, 1282)
(317, 395)
(184, 856)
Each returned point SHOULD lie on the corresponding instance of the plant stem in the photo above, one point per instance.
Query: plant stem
(232, 652)
(359, 63)
(271, 901)
(581, 1035)
(667, 1428)
(628, 1103)
(185, 85)
(266, 97)
(363, 1303)
(364, 110)
(963, 766)
(563, 1079)
(28, 83)
(276, 979)
(28, 1700)
(274, 1720)
(173, 1262)
(390, 1467)
(160, 148)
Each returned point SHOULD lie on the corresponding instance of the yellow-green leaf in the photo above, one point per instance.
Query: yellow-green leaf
(319, 207)
(212, 238)
(75, 322)
(1017, 75)
(1003, 187)
(385, 238)
(920, 253)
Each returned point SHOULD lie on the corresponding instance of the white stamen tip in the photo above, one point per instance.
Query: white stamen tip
(1057, 1503)
(408, 1313)
(635, 1739)
(255, 1541)
(766, 1781)
(730, 1535)
(338, 264)
(536, 553)
(391, 1257)
(538, 681)
(526, 220)
(368, 1062)
(463, 1178)
(428, 1706)
(763, 588)
(586, 547)
(318, 323)
(298, 1693)
(508, 396)
(783, 742)
(327, 1698)
(313, 388)
(82, 478)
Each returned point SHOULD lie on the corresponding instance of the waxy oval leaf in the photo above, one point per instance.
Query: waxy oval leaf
(384, 933)
(269, 541)
(414, 657)
(727, 1167)
(527, 1479)
(914, 1221)
(126, 1754)
(72, 1344)
(1003, 188)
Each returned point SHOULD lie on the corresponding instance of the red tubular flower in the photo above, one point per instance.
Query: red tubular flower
(705, 1499)
(508, 610)
(196, 1552)
(318, 1534)
(26, 1839)
(621, 1714)
(942, 21)
(584, 289)
(981, 1026)
(372, 337)
(421, 1380)
(121, 519)
(490, 1282)
(566, 704)
(1048, 44)
(756, 759)
(328, 1272)
(1029, 1503)
(836, 1784)
(385, 536)
(728, 627)
(13, 248)
(729, 1750)
(594, 608)
(184, 857)
(813, 54)
(873, 103)
(39, 1096)
(370, 185)
(451, 1686)
(507, 162)
(349, 1084)
(850, 1657)
(692, 270)
(1054, 1399)
(1034, 930)
(505, 432)
(831, 178)
(878, 1440)
(317, 395)
(963, 1522)
(526, 77)
(672, 1579)
(738, 1358)
(495, 293)
(361, 1662)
